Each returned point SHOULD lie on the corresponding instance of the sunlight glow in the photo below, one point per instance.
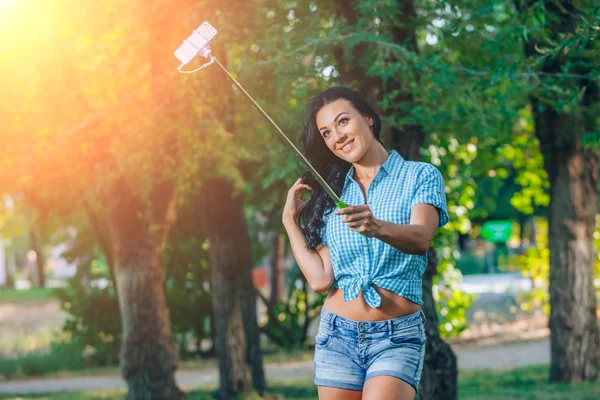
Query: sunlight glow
(4, 4)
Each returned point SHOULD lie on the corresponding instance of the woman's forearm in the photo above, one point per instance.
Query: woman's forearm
(311, 264)
(409, 239)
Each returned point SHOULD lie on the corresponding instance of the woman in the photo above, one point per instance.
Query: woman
(371, 254)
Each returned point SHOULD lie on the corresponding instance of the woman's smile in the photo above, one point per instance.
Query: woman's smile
(348, 146)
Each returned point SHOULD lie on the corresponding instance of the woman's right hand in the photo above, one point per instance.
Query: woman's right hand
(293, 203)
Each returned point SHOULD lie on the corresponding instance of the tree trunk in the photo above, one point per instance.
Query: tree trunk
(532, 232)
(523, 220)
(573, 173)
(103, 241)
(438, 381)
(148, 353)
(440, 369)
(277, 268)
(230, 257)
(3, 269)
(575, 341)
(40, 279)
(237, 339)
(248, 296)
(11, 265)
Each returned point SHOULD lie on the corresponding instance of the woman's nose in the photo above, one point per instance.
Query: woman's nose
(339, 136)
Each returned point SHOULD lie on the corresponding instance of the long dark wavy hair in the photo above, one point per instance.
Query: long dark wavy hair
(332, 168)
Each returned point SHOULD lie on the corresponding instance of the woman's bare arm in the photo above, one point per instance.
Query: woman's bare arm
(316, 267)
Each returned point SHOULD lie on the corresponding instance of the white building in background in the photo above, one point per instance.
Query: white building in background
(59, 267)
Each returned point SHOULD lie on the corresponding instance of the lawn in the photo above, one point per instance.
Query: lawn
(28, 321)
(522, 383)
(33, 295)
(56, 365)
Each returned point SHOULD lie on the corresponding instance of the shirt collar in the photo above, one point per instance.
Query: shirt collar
(391, 166)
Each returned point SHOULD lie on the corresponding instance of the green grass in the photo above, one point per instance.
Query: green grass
(33, 295)
(523, 383)
(68, 364)
(91, 395)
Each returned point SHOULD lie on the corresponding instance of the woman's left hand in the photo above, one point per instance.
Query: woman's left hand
(360, 219)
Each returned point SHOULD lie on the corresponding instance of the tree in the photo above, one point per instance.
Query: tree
(565, 106)
(112, 128)
(237, 332)
(277, 264)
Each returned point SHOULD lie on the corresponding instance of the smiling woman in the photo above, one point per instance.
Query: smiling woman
(371, 336)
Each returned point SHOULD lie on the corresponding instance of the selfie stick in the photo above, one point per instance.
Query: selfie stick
(197, 44)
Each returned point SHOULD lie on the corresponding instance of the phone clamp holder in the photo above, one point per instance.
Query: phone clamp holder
(204, 52)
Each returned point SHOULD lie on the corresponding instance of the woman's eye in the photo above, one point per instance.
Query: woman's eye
(325, 134)
(344, 119)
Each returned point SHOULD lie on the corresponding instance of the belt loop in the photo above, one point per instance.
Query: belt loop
(332, 321)
(390, 323)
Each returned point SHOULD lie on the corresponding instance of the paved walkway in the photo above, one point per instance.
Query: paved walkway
(505, 356)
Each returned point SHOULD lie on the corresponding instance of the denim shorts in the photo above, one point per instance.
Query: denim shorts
(349, 352)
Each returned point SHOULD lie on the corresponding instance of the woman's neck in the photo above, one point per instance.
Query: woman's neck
(366, 168)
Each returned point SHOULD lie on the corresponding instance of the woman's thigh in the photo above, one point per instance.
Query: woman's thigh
(396, 363)
(337, 371)
(387, 388)
(329, 393)
(338, 364)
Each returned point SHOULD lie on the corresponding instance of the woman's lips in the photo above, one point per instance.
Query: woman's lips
(349, 148)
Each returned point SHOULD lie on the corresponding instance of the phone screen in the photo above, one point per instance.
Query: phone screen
(195, 42)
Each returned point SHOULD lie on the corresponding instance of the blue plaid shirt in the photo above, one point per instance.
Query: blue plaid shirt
(359, 261)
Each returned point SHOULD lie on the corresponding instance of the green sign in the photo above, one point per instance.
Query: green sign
(497, 231)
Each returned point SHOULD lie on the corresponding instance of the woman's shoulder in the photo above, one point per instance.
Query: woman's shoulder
(418, 169)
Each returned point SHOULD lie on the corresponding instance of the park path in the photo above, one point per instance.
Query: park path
(503, 356)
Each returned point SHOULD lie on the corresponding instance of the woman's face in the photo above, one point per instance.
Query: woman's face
(340, 124)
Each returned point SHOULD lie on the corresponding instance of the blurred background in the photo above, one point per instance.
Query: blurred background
(140, 208)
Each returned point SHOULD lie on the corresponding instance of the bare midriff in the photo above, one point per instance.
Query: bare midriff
(392, 306)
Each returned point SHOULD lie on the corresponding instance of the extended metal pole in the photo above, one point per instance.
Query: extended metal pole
(339, 203)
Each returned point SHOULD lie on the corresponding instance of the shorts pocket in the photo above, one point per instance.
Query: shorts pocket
(322, 339)
(411, 335)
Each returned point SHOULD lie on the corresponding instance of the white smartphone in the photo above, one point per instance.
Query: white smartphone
(195, 42)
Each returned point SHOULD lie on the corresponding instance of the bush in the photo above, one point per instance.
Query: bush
(189, 294)
(8, 367)
(94, 315)
(451, 303)
(94, 319)
(289, 319)
(63, 356)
